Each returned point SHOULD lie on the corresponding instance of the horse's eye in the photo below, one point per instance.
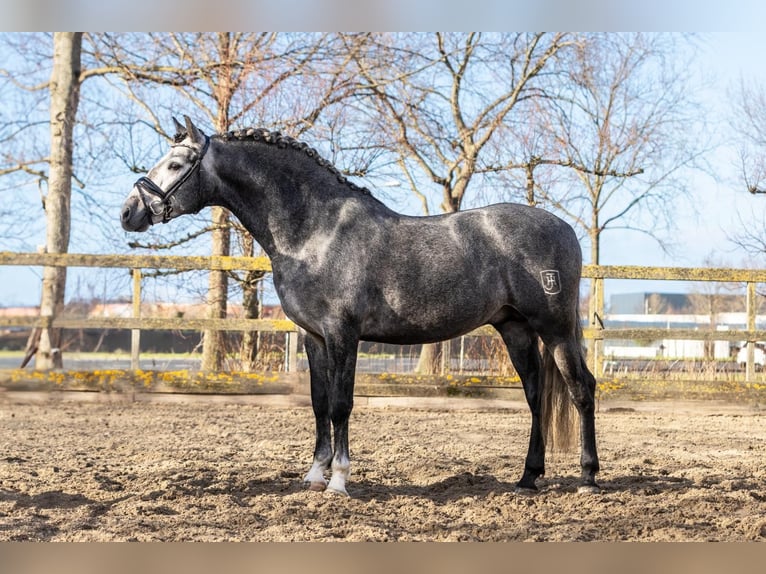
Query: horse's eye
(174, 166)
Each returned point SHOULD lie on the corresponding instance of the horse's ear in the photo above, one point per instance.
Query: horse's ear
(180, 128)
(196, 135)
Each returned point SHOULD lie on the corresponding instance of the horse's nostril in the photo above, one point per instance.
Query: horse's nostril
(126, 214)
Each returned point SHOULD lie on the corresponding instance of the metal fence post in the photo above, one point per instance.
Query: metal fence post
(135, 334)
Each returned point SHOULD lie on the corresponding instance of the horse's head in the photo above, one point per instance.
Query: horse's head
(173, 187)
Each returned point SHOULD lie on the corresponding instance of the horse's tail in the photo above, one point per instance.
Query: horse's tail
(557, 411)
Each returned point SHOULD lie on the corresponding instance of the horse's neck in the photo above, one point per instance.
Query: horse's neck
(281, 219)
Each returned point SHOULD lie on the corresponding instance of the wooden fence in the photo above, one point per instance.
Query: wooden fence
(594, 330)
(137, 323)
(597, 332)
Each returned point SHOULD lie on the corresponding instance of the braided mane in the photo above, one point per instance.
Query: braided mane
(283, 141)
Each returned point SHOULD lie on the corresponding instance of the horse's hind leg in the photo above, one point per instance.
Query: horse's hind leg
(582, 389)
(521, 342)
(317, 356)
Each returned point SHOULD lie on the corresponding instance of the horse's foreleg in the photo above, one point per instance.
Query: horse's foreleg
(317, 356)
(342, 351)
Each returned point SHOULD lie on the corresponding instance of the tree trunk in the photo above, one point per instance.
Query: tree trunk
(213, 344)
(530, 183)
(595, 243)
(248, 350)
(64, 98)
(428, 361)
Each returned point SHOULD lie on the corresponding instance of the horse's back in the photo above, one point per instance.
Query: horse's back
(514, 237)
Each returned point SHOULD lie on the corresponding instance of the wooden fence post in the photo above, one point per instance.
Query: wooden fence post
(446, 358)
(595, 320)
(135, 334)
(291, 351)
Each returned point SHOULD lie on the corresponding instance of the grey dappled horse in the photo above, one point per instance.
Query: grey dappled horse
(347, 268)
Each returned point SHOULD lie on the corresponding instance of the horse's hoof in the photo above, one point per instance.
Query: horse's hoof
(527, 484)
(588, 489)
(315, 486)
(337, 491)
(526, 491)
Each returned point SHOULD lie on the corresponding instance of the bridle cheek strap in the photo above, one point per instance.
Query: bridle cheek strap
(161, 204)
(157, 206)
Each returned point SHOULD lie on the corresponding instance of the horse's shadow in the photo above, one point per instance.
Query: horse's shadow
(36, 524)
(455, 487)
(483, 486)
(47, 500)
(446, 490)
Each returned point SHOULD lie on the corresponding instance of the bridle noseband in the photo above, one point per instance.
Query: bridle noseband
(161, 205)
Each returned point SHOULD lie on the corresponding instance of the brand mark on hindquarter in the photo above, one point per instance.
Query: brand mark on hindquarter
(551, 281)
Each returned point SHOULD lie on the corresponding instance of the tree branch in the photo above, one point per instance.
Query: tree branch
(170, 244)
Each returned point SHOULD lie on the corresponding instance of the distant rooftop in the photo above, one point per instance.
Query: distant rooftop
(674, 303)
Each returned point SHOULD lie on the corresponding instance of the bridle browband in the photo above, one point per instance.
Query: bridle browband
(161, 205)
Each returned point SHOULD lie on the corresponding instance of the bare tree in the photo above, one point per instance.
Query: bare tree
(48, 105)
(748, 121)
(24, 131)
(623, 127)
(441, 101)
(284, 80)
(64, 98)
(444, 104)
(46, 74)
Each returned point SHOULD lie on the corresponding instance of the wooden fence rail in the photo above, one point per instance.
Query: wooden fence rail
(594, 329)
(597, 332)
(136, 323)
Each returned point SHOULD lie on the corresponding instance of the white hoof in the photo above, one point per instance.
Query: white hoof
(338, 492)
(340, 474)
(314, 479)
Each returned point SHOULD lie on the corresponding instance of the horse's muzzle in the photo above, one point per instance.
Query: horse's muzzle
(134, 216)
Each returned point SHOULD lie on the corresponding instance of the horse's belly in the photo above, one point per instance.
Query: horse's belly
(411, 337)
(422, 328)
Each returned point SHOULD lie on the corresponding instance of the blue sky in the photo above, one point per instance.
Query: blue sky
(722, 204)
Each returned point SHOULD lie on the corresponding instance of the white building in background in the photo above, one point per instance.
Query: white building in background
(633, 310)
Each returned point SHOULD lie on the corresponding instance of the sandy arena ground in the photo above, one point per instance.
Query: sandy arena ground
(217, 470)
